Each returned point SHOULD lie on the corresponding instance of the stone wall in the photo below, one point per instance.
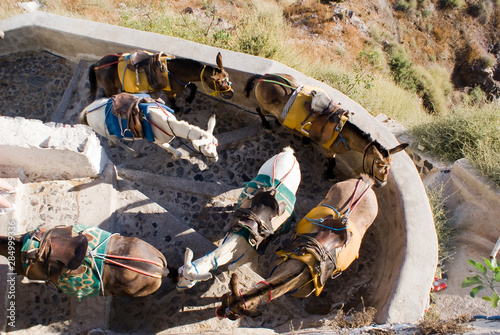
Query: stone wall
(51, 150)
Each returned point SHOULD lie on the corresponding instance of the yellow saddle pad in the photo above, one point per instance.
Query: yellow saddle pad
(298, 114)
(350, 251)
(137, 82)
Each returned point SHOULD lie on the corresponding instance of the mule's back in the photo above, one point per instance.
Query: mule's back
(341, 194)
(285, 168)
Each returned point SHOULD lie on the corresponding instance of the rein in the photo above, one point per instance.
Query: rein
(108, 64)
(277, 82)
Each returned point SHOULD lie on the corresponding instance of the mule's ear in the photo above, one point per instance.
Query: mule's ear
(211, 124)
(398, 148)
(188, 257)
(219, 61)
(233, 284)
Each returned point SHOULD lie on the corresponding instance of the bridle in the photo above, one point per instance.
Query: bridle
(215, 90)
(372, 172)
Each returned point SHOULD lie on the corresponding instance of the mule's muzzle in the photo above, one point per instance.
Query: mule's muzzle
(227, 94)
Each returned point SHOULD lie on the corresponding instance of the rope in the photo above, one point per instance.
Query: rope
(214, 92)
(108, 64)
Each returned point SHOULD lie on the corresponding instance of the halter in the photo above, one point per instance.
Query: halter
(215, 91)
(372, 173)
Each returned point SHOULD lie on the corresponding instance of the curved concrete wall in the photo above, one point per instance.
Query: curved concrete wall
(407, 243)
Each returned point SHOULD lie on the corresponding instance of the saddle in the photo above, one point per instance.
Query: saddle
(323, 264)
(328, 117)
(142, 61)
(58, 252)
(260, 229)
(126, 106)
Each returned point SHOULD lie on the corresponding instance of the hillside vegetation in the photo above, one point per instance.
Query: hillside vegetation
(429, 64)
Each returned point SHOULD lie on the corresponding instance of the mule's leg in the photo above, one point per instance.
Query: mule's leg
(192, 93)
(171, 99)
(114, 141)
(176, 154)
(329, 174)
(265, 123)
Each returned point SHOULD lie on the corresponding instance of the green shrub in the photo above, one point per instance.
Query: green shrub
(401, 67)
(405, 5)
(483, 279)
(468, 131)
(456, 4)
(262, 32)
(445, 232)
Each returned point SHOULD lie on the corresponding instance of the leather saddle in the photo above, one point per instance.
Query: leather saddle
(314, 243)
(58, 252)
(142, 61)
(327, 117)
(126, 106)
(257, 219)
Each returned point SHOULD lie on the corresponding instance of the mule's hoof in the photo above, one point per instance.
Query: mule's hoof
(138, 155)
(187, 110)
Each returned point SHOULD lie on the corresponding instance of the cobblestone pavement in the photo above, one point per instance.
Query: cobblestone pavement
(40, 80)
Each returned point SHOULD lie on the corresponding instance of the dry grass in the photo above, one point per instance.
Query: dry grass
(433, 324)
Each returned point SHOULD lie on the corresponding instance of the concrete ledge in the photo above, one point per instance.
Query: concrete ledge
(51, 151)
(408, 245)
(464, 172)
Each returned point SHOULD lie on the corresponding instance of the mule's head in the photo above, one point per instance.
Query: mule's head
(188, 274)
(207, 144)
(234, 305)
(377, 161)
(220, 80)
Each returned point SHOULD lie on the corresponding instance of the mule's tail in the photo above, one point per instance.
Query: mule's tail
(93, 82)
(250, 84)
(82, 118)
(288, 150)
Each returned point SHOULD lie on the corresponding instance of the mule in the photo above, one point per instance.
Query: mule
(265, 205)
(175, 75)
(86, 261)
(161, 122)
(326, 123)
(326, 242)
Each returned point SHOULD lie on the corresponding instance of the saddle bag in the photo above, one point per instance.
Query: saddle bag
(58, 252)
(126, 106)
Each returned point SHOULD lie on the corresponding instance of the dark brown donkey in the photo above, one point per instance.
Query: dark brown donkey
(327, 241)
(86, 261)
(314, 115)
(173, 75)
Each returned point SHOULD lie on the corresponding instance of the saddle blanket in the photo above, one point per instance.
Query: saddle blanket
(297, 114)
(114, 127)
(282, 223)
(128, 78)
(350, 251)
(87, 284)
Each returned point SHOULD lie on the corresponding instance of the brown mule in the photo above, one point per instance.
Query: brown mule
(273, 92)
(179, 73)
(327, 241)
(132, 267)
